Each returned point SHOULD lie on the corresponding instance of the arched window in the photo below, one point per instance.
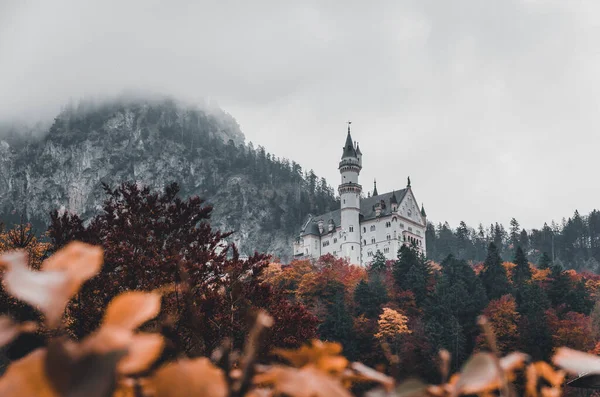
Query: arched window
(372, 228)
(372, 241)
(364, 229)
(364, 242)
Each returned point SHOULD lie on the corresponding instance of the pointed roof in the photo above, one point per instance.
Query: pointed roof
(358, 152)
(408, 182)
(375, 187)
(349, 150)
(423, 210)
(394, 200)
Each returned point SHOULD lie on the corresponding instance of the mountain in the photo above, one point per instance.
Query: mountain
(156, 141)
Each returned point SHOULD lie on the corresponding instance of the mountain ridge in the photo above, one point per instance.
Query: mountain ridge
(156, 142)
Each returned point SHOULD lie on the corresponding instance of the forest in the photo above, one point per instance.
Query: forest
(393, 316)
(574, 243)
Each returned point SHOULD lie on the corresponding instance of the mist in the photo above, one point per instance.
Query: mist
(490, 108)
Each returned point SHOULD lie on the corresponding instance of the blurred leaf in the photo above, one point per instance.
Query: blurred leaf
(479, 374)
(305, 382)
(576, 362)
(188, 378)
(131, 309)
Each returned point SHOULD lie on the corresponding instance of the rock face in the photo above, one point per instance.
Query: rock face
(156, 142)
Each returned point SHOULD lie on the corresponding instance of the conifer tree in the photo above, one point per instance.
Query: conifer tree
(522, 272)
(494, 276)
(370, 295)
(544, 261)
(560, 285)
(338, 325)
(535, 335)
(407, 257)
(378, 264)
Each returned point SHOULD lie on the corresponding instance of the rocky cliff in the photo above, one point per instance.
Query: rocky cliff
(155, 142)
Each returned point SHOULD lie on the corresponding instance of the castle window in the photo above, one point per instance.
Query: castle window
(418, 232)
(389, 237)
(372, 228)
(334, 252)
(364, 229)
(386, 250)
(326, 243)
(372, 241)
(410, 229)
(335, 240)
(352, 248)
(388, 224)
(364, 242)
(370, 253)
(402, 225)
(351, 228)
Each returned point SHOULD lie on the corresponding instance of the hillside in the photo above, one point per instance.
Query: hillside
(155, 142)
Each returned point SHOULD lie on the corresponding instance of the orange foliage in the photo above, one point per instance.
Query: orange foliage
(503, 316)
(572, 330)
(509, 266)
(539, 274)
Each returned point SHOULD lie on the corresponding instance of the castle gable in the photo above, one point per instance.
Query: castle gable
(409, 208)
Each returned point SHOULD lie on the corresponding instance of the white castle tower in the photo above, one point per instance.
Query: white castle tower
(349, 191)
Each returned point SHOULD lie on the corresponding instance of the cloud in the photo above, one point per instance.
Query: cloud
(490, 107)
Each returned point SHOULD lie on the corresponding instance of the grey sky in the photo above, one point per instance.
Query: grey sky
(490, 106)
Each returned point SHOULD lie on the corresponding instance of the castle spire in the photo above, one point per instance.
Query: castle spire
(394, 199)
(375, 187)
(349, 150)
(408, 182)
(423, 210)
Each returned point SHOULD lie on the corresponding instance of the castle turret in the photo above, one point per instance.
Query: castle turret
(349, 191)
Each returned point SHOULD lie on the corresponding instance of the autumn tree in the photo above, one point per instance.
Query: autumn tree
(504, 318)
(155, 239)
(392, 325)
(493, 275)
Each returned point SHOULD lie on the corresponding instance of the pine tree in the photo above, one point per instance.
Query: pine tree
(522, 272)
(536, 338)
(494, 276)
(369, 296)
(338, 324)
(544, 261)
(378, 264)
(515, 233)
(407, 257)
(560, 285)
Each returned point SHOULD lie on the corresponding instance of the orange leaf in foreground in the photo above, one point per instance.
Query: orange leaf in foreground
(61, 277)
(576, 362)
(479, 374)
(143, 350)
(188, 378)
(81, 261)
(305, 382)
(26, 377)
(131, 309)
(43, 290)
(322, 355)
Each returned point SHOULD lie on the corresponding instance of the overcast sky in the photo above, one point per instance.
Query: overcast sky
(491, 106)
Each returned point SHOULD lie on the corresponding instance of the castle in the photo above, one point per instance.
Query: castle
(362, 226)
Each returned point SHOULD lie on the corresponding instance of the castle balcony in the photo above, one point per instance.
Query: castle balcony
(349, 187)
(350, 163)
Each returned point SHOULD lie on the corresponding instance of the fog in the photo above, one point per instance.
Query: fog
(490, 107)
